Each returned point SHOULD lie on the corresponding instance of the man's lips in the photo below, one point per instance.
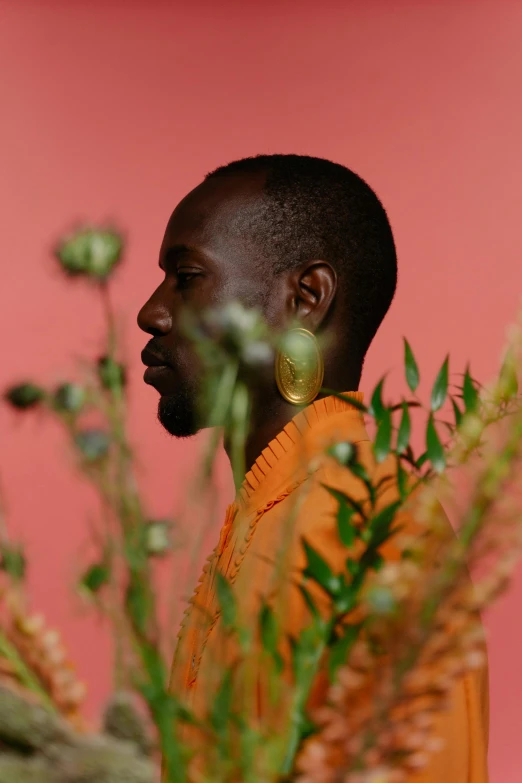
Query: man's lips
(151, 359)
(158, 372)
(155, 376)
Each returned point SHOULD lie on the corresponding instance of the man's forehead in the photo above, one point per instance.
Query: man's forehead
(216, 208)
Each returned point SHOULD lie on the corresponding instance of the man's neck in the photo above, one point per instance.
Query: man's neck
(265, 426)
(267, 421)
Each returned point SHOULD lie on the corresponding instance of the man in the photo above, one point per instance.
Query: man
(307, 242)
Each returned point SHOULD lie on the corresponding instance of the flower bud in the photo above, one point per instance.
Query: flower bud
(257, 353)
(508, 382)
(91, 253)
(69, 397)
(343, 452)
(24, 395)
(111, 373)
(381, 600)
(95, 577)
(300, 349)
(158, 537)
(93, 444)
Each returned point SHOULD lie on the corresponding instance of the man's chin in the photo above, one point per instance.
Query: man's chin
(178, 414)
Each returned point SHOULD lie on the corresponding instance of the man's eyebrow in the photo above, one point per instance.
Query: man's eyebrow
(174, 253)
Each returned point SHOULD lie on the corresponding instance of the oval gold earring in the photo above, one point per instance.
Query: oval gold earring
(299, 367)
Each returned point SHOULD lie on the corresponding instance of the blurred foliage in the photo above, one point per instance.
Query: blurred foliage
(405, 604)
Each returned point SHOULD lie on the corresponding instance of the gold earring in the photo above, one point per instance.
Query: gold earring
(299, 367)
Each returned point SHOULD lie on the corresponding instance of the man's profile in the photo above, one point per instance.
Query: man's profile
(305, 241)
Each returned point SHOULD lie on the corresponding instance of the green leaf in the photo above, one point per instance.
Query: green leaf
(340, 650)
(469, 392)
(269, 635)
(345, 398)
(12, 561)
(250, 740)
(345, 602)
(308, 727)
(309, 601)
(380, 527)
(340, 496)
(307, 649)
(360, 472)
(403, 436)
(434, 447)
(377, 408)
(382, 444)
(508, 380)
(352, 566)
(457, 412)
(440, 387)
(410, 367)
(182, 713)
(95, 577)
(345, 527)
(319, 570)
(227, 600)
(409, 403)
(268, 626)
(421, 460)
(222, 706)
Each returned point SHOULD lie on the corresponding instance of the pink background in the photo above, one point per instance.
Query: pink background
(116, 109)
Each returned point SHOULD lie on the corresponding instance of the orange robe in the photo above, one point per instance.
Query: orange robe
(281, 501)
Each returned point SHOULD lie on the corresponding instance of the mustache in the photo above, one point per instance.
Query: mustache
(159, 350)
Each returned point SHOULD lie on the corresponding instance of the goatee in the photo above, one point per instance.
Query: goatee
(178, 413)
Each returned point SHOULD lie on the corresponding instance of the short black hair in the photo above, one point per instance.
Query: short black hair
(316, 209)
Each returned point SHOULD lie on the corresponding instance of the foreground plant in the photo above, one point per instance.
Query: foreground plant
(395, 635)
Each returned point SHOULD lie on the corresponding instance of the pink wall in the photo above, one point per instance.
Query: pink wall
(116, 109)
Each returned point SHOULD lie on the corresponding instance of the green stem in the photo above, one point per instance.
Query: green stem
(238, 431)
(219, 411)
(109, 316)
(300, 699)
(162, 708)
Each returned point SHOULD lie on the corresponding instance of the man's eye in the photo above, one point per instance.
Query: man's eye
(186, 276)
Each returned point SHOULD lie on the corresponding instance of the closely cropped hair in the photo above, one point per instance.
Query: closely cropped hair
(316, 209)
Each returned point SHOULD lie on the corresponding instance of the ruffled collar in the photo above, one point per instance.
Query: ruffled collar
(277, 461)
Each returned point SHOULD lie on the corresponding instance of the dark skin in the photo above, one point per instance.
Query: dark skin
(208, 259)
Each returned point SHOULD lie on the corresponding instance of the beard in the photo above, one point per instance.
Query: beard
(179, 413)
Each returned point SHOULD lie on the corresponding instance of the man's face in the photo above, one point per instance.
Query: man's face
(207, 260)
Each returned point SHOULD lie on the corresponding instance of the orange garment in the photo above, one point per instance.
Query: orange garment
(285, 483)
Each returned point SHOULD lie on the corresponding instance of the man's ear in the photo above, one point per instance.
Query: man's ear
(314, 289)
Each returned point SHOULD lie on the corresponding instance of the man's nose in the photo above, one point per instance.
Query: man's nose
(155, 317)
